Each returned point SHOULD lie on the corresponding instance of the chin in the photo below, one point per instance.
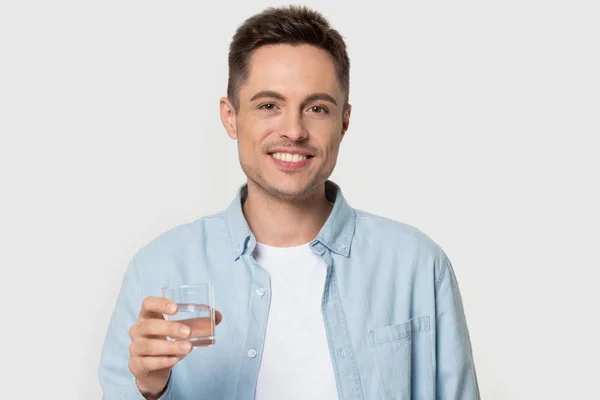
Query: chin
(289, 190)
(284, 187)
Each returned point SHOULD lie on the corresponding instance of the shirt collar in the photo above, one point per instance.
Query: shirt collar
(336, 234)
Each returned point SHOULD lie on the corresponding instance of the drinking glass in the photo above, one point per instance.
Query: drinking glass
(195, 309)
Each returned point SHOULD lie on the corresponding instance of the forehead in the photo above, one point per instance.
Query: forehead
(298, 69)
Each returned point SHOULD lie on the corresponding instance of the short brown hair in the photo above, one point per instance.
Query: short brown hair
(285, 25)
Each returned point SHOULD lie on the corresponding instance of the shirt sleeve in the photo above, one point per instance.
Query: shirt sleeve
(456, 378)
(116, 381)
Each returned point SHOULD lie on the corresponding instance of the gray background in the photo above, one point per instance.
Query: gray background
(475, 121)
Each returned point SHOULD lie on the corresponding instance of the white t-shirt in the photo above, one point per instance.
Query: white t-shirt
(295, 363)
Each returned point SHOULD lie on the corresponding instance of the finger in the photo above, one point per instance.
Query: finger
(155, 307)
(218, 317)
(159, 347)
(159, 327)
(144, 365)
(201, 327)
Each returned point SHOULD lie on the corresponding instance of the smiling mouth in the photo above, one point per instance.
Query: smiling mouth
(289, 157)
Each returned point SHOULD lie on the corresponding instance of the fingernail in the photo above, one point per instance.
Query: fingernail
(185, 346)
(185, 330)
(172, 308)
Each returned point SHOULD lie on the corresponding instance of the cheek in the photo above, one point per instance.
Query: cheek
(334, 148)
(251, 137)
(247, 149)
(327, 132)
(334, 139)
(255, 130)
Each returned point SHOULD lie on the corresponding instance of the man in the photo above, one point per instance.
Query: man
(316, 300)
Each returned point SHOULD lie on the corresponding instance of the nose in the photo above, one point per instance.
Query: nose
(293, 127)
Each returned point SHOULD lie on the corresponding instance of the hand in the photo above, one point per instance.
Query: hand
(151, 355)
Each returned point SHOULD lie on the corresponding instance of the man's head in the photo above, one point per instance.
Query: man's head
(287, 99)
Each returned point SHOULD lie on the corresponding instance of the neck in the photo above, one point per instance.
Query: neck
(285, 223)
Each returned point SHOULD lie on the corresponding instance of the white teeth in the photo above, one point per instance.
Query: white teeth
(287, 157)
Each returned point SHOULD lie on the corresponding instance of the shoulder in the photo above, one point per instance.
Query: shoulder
(182, 238)
(396, 240)
(396, 243)
(389, 231)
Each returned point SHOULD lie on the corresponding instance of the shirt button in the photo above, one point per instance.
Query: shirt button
(251, 353)
(260, 292)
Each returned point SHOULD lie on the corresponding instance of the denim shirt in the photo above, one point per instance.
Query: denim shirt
(391, 308)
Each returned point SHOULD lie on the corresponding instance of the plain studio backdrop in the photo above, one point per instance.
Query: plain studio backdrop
(476, 122)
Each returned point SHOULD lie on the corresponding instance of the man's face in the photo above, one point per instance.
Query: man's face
(290, 121)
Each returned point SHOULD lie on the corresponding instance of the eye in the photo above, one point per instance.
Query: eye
(319, 110)
(267, 106)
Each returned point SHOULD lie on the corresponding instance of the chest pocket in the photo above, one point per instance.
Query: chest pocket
(404, 355)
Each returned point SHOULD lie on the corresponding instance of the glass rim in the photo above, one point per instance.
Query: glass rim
(187, 285)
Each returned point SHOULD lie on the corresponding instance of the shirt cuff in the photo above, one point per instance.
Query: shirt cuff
(167, 394)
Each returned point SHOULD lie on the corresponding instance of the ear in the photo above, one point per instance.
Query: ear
(228, 117)
(346, 119)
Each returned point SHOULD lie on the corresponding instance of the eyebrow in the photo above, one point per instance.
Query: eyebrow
(320, 96)
(274, 95)
(267, 93)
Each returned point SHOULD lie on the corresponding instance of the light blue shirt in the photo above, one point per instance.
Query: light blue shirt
(391, 307)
